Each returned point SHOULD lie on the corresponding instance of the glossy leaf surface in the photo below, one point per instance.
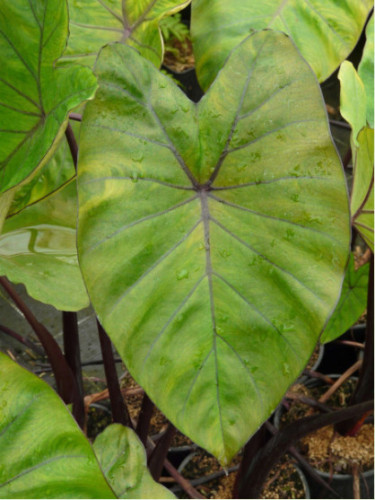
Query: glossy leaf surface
(366, 71)
(52, 176)
(94, 23)
(35, 97)
(123, 462)
(362, 198)
(325, 31)
(212, 237)
(352, 302)
(352, 100)
(38, 249)
(43, 453)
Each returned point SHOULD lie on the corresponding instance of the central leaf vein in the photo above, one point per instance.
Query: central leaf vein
(206, 226)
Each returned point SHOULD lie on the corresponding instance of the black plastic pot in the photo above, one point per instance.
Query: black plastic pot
(342, 484)
(315, 367)
(338, 357)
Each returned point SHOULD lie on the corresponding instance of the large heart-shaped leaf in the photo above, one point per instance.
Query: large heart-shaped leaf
(362, 198)
(212, 237)
(366, 71)
(94, 23)
(38, 249)
(43, 453)
(325, 31)
(123, 461)
(35, 97)
(352, 302)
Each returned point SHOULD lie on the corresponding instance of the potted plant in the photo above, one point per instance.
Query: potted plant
(213, 320)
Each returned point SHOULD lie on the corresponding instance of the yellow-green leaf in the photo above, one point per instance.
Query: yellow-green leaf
(212, 237)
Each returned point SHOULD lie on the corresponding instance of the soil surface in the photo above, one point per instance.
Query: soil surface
(326, 449)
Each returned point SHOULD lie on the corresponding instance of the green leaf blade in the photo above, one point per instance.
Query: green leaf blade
(214, 260)
(366, 71)
(352, 302)
(32, 36)
(362, 197)
(316, 26)
(43, 453)
(38, 249)
(95, 23)
(123, 461)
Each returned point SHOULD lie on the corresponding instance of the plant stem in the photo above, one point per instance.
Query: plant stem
(348, 373)
(338, 123)
(144, 418)
(73, 358)
(73, 146)
(160, 452)
(75, 116)
(184, 483)
(364, 390)
(120, 413)
(23, 340)
(252, 447)
(253, 480)
(66, 386)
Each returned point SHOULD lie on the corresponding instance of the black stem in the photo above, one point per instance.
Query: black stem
(24, 340)
(120, 412)
(75, 116)
(144, 419)
(252, 447)
(339, 123)
(364, 390)
(160, 452)
(347, 158)
(73, 357)
(65, 382)
(73, 146)
(252, 483)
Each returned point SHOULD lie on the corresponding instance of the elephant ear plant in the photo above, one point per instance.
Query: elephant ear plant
(212, 237)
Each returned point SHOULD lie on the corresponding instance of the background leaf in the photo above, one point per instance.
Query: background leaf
(362, 197)
(325, 31)
(57, 172)
(38, 249)
(35, 97)
(213, 238)
(43, 453)
(94, 23)
(123, 461)
(352, 100)
(366, 71)
(352, 302)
